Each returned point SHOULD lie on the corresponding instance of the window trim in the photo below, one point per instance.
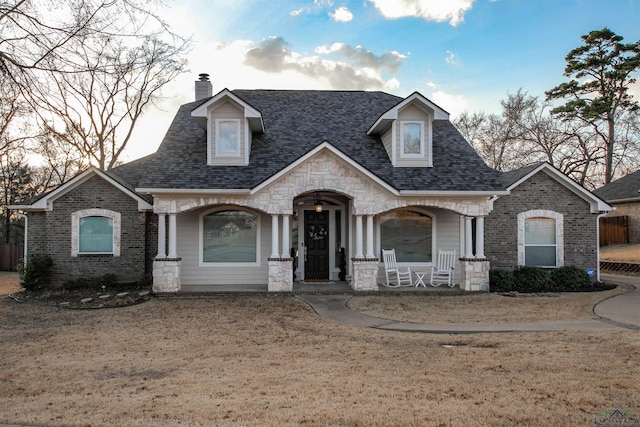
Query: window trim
(428, 213)
(541, 213)
(238, 151)
(202, 263)
(75, 230)
(419, 155)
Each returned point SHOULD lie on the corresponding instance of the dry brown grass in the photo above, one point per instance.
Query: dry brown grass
(484, 308)
(621, 253)
(273, 362)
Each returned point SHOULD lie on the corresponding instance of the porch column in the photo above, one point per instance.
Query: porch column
(359, 253)
(173, 253)
(162, 236)
(480, 237)
(166, 267)
(274, 236)
(370, 253)
(285, 237)
(468, 238)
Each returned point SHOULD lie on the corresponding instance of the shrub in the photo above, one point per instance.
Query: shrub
(531, 279)
(501, 280)
(36, 274)
(570, 278)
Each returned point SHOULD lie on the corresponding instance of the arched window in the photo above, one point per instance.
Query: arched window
(230, 237)
(410, 233)
(540, 239)
(95, 232)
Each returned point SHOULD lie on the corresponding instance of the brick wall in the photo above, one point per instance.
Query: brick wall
(632, 210)
(541, 192)
(50, 233)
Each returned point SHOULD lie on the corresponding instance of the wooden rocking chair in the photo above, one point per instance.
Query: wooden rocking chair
(396, 276)
(442, 272)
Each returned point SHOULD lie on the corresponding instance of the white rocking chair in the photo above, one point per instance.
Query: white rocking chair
(402, 275)
(442, 272)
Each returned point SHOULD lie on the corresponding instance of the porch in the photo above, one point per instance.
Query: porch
(304, 288)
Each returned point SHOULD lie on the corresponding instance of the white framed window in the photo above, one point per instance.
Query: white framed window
(227, 137)
(95, 232)
(229, 237)
(541, 239)
(410, 233)
(411, 139)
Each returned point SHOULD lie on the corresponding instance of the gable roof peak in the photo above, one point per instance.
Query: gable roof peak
(390, 115)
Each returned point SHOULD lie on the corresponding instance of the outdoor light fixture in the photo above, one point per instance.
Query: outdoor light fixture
(318, 203)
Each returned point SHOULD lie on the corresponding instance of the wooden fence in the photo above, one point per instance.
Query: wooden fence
(614, 230)
(10, 256)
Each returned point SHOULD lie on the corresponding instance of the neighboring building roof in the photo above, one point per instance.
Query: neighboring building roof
(296, 122)
(625, 189)
(512, 179)
(45, 200)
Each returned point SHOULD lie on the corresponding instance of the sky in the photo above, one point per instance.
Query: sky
(464, 55)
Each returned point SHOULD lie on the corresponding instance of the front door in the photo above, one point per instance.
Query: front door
(316, 238)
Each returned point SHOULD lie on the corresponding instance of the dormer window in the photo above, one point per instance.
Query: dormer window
(412, 139)
(229, 123)
(227, 137)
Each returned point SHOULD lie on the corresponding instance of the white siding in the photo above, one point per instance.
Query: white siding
(188, 246)
(387, 142)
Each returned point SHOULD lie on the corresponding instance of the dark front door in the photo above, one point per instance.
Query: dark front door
(316, 240)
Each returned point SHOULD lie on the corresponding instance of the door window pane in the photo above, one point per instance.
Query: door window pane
(229, 237)
(409, 233)
(96, 234)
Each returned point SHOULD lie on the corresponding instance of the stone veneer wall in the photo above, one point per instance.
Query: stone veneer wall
(541, 192)
(632, 210)
(50, 233)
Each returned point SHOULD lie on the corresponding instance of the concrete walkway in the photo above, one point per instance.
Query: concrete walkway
(622, 311)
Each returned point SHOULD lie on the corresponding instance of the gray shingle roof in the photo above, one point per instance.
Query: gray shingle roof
(511, 177)
(295, 123)
(625, 188)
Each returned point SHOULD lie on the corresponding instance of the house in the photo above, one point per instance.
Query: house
(248, 185)
(547, 220)
(624, 195)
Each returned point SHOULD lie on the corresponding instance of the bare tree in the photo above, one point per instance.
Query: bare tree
(88, 69)
(95, 112)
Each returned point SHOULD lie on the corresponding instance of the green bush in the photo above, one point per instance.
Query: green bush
(36, 274)
(501, 280)
(531, 279)
(570, 278)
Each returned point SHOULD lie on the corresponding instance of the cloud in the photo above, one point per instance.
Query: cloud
(296, 12)
(316, 7)
(360, 68)
(452, 59)
(429, 10)
(454, 104)
(361, 57)
(342, 14)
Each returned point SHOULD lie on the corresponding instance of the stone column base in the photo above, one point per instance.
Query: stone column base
(474, 274)
(280, 275)
(166, 275)
(365, 274)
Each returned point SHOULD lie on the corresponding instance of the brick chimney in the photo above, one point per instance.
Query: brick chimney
(203, 87)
